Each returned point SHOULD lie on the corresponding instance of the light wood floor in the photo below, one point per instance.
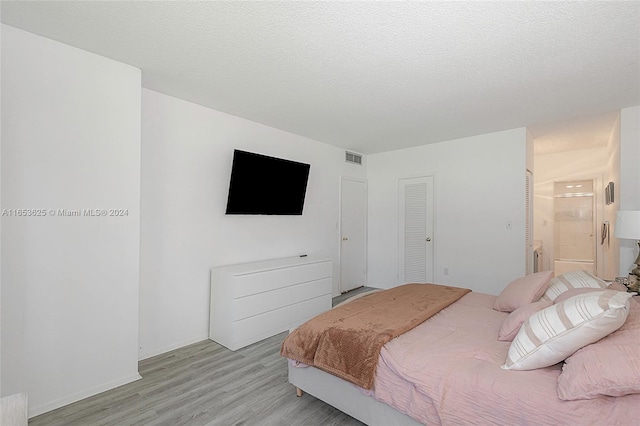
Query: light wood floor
(205, 384)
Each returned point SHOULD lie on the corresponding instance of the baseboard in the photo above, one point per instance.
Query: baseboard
(159, 351)
(61, 402)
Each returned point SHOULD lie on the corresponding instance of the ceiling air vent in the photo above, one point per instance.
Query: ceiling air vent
(352, 157)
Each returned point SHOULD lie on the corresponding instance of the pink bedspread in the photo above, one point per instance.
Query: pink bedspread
(447, 371)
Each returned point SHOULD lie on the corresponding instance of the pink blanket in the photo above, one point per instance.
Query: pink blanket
(346, 340)
(447, 371)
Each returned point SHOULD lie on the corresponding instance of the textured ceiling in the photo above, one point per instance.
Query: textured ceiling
(571, 135)
(368, 76)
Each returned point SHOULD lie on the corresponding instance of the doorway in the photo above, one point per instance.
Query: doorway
(416, 230)
(574, 227)
(353, 233)
(584, 148)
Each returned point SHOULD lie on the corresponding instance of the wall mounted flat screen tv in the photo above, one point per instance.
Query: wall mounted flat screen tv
(262, 185)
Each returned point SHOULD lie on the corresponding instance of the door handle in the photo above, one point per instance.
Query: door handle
(428, 239)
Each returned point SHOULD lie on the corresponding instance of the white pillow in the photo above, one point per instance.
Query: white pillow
(554, 333)
(569, 280)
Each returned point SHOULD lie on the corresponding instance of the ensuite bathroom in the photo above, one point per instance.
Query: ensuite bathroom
(576, 167)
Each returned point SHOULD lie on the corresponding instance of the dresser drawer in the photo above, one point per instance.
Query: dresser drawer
(261, 326)
(247, 284)
(255, 304)
(311, 272)
(310, 290)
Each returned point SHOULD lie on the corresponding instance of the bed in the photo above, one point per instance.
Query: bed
(449, 369)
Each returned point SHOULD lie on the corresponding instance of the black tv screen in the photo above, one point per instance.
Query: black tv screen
(262, 185)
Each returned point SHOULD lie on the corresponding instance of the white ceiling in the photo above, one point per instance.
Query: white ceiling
(586, 132)
(367, 76)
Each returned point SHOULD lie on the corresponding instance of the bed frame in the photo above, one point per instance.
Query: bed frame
(346, 397)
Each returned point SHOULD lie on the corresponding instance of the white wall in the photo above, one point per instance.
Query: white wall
(1, 206)
(479, 186)
(187, 151)
(530, 152)
(581, 164)
(611, 250)
(70, 140)
(629, 178)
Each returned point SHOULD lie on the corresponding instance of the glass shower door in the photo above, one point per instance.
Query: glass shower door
(574, 241)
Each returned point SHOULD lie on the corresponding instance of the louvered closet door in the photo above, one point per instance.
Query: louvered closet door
(416, 240)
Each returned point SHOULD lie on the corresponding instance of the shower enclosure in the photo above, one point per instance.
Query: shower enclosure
(574, 227)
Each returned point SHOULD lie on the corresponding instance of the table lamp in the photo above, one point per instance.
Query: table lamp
(628, 227)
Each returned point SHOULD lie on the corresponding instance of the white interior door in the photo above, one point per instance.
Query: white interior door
(415, 263)
(528, 231)
(353, 229)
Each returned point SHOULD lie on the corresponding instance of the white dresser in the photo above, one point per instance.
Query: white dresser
(253, 301)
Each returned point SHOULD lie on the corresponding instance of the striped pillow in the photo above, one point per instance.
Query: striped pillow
(554, 333)
(569, 280)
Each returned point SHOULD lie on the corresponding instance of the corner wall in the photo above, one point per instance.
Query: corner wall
(1, 28)
(187, 151)
(629, 178)
(479, 186)
(611, 249)
(70, 140)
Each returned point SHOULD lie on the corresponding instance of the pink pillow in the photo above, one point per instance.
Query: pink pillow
(523, 291)
(574, 292)
(513, 322)
(609, 367)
